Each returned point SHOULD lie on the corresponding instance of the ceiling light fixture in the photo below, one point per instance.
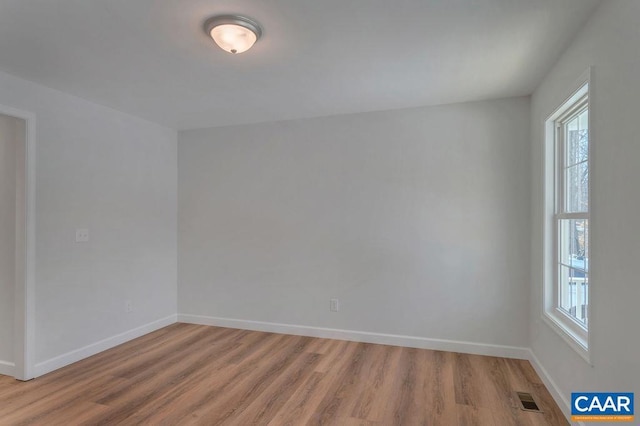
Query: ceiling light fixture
(233, 33)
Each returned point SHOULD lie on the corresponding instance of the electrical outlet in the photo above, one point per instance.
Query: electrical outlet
(128, 306)
(82, 235)
(334, 305)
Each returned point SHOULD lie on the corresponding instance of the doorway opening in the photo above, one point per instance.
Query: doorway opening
(17, 249)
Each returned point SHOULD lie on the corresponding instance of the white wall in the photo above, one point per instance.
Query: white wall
(609, 42)
(417, 220)
(115, 174)
(12, 131)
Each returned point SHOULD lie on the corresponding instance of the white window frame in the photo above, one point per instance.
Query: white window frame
(572, 331)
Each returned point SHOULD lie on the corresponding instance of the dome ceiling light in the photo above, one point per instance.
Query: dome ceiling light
(233, 33)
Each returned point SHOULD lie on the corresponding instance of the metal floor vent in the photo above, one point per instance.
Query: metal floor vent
(527, 403)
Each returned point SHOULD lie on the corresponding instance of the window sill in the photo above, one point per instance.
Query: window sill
(578, 343)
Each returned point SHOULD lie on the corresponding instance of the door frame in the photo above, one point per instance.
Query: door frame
(24, 293)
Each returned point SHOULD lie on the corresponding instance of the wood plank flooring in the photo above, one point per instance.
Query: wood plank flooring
(198, 375)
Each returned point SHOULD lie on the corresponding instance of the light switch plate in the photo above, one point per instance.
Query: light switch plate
(82, 235)
(334, 305)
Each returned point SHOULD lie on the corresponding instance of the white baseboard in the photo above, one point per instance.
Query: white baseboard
(362, 336)
(94, 348)
(552, 387)
(7, 368)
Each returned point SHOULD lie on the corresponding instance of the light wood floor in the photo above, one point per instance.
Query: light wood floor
(189, 374)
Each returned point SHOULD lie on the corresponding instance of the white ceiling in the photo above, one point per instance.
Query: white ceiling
(152, 59)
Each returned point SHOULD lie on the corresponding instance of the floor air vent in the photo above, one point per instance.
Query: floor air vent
(527, 403)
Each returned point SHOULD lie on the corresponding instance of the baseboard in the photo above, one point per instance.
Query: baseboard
(552, 387)
(7, 368)
(94, 348)
(362, 336)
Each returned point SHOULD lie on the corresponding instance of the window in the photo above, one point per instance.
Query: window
(568, 207)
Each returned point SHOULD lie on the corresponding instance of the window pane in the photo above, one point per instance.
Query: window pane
(566, 289)
(577, 188)
(571, 136)
(573, 292)
(585, 298)
(574, 244)
(585, 237)
(577, 137)
(573, 239)
(576, 165)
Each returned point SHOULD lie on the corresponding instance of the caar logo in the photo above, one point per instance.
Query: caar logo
(598, 407)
